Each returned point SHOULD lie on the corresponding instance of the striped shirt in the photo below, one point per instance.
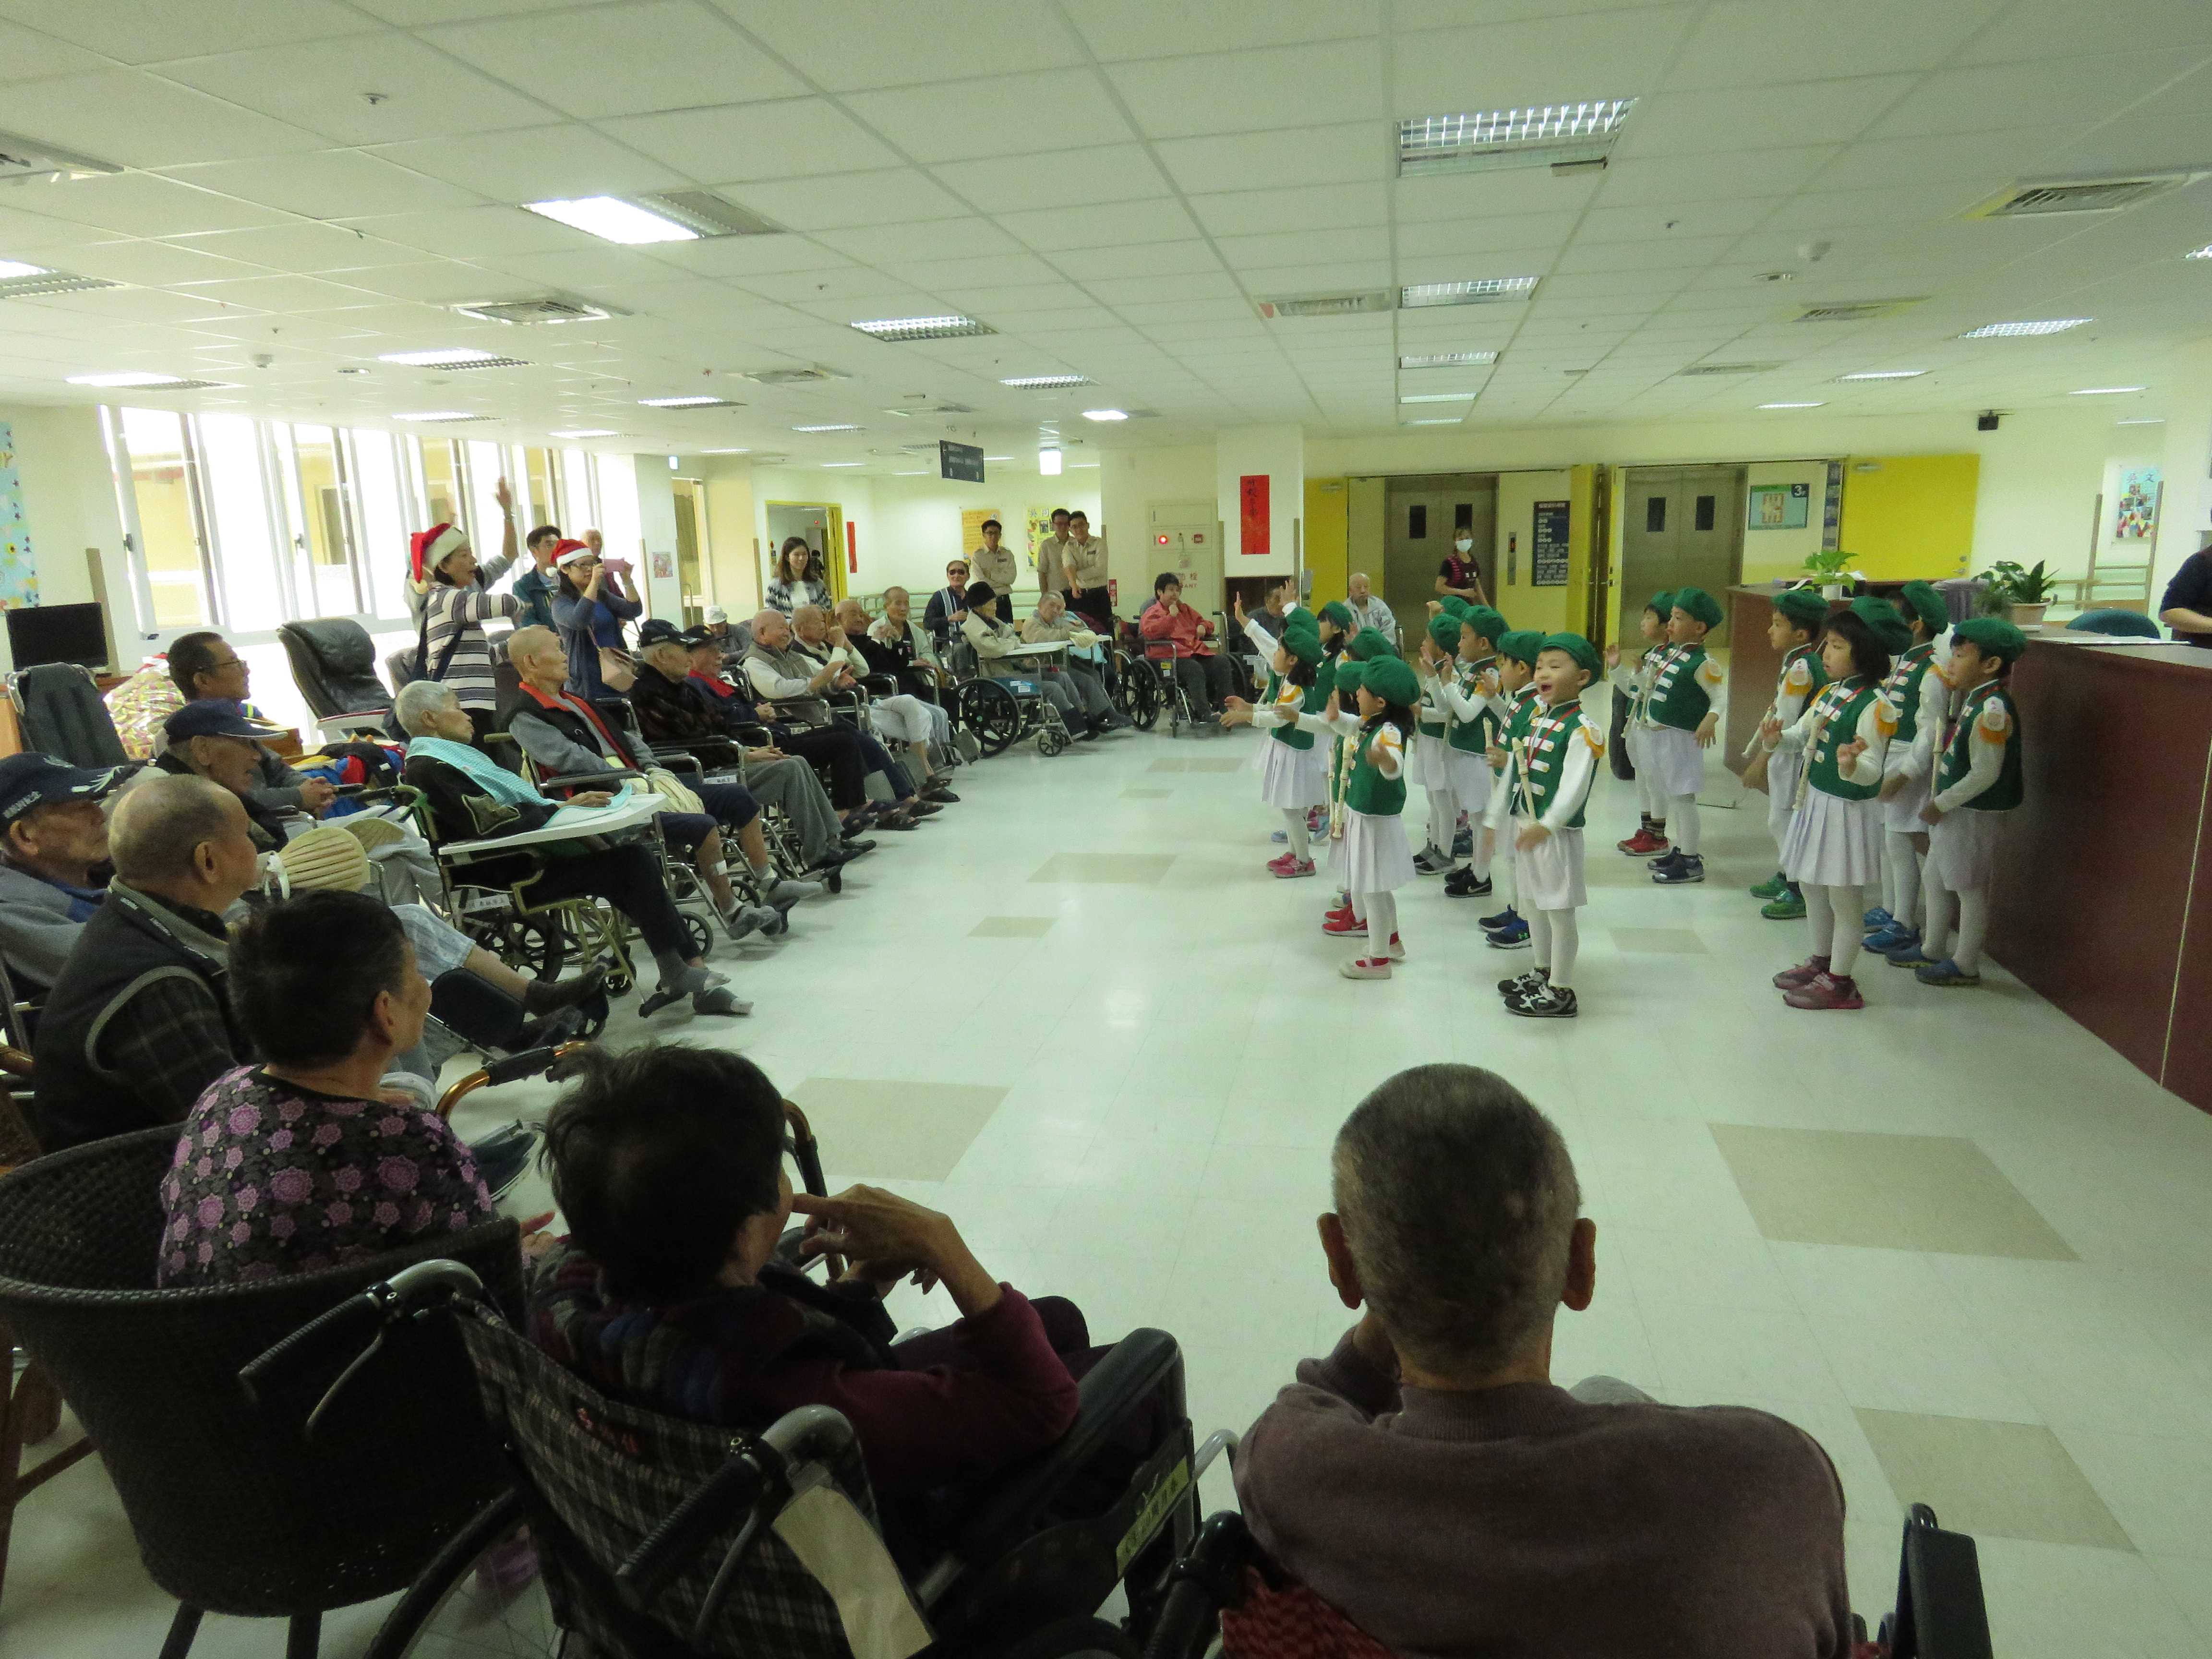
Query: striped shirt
(462, 611)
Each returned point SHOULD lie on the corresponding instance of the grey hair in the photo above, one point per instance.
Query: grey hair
(162, 820)
(418, 698)
(1458, 1201)
(808, 610)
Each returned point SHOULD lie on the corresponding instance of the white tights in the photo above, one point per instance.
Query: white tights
(1294, 822)
(1682, 825)
(1553, 939)
(1379, 912)
(1444, 819)
(1834, 914)
(1900, 876)
(1973, 924)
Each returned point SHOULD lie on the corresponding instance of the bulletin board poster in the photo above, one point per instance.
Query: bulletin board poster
(19, 575)
(1780, 507)
(1040, 530)
(971, 531)
(1547, 549)
(2136, 519)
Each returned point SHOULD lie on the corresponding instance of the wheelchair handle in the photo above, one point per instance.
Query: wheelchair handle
(527, 1062)
(382, 1304)
(1208, 1579)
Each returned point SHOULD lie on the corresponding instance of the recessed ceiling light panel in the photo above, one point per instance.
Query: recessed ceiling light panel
(1438, 398)
(19, 280)
(1448, 360)
(1046, 382)
(1105, 414)
(2105, 390)
(1483, 290)
(1541, 134)
(611, 219)
(2204, 252)
(1884, 374)
(575, 432)
(831, 427)
(439, 415)
(2014, 331)
(1793, 405)
(701, 401)
(451, 357)
(897, 329)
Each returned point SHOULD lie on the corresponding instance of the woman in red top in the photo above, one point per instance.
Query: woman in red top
(1172, 630)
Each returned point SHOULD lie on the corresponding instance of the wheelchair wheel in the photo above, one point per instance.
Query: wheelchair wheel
(697, 935)
(1138, 696)
(988, 709)
(467, 1600)
(1051, 739)
(534, 945)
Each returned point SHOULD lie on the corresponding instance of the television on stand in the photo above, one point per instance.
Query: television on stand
(58, 633)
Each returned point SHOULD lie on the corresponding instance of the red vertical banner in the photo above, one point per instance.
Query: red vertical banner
(1252, 512)
(852, 548)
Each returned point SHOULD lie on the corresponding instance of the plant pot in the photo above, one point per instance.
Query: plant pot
(1831, 590)
(2027, 615)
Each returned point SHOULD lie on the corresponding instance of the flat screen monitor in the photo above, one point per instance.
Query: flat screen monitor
(58, 633)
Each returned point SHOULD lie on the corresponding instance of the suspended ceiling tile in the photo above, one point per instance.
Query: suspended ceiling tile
(331, 184)
(312, 248)
(1139, 28)
(1255, 89)
(891, 196)
(2061, 92)
(134, 118)
(1605, 223)
(1476, 236)
(324, 86)
(1747, 117)
(743, 256)
(135, 33)
(436, 282)
(888, 43)
(785, 138)
(1066, 178)
(27, 55)
(2057, 29)
(536, 163)
(1298, 246)
(1602, 54)
(966, 120)
(1120, 291)
(157, 264)
(1335, 276)
(1165, 220)
(1083, 265)
(1514, 190)
(138, 204)
(1333, 154)
(1670, 179)
(1865, 38)
(1316, 207)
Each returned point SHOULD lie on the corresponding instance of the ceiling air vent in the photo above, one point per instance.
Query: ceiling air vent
(1854, 310)
(21, 281)
(791, 376)
(950, 409)
(1325, 305)
(23, 159)
(2041, 195)
(550, 310)
(1725, 368)
(707, 214)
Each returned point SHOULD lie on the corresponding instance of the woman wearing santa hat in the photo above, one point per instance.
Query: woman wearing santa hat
(455, 598)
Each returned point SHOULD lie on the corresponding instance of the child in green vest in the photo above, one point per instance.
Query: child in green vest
(1470, 708)
(1635, 685)
(1294, 776)
(1794, 631)
(1437, 666)
(1376, 861)
(1834, 846)
(1918, 698)
(1681, 719)
(1511, 708)
(1553, 764)
(1978, 781)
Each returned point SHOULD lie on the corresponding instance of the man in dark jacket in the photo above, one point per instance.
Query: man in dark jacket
(204, 667)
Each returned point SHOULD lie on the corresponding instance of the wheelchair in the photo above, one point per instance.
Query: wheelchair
(1001, 713)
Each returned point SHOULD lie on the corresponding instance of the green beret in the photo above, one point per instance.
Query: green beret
(1370, 643)
(1489, 623)
(1802, 606)
(1453, 605)
(1337, 612)
(1392, 680)
(1925, 603)
(1302, 643)
(1583, 652)
(1662, 601)
(1891, 629)
(1521, 645)
(1349, 673)
(1299, 616)
(1993, 636)
(1443, 628)
(1698, 606)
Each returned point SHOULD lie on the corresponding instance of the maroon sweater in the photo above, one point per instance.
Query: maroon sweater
(1517, 1522)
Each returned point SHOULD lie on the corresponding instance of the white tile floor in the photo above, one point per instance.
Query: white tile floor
(1177, 1055)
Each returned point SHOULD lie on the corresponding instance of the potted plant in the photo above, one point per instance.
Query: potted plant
(1828, 567)
(2019, 593)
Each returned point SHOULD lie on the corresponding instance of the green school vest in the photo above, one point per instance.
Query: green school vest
(1545, 745)
(1422, 724)
(1903, 687)
(1315, 701)
(1517, 725)
(1369, 791)
(1845, 704)
(1472, 737)
(1958, 754)
(1677, 699)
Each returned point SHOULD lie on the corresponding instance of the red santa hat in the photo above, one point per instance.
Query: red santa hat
(567, 552)
(433, 547)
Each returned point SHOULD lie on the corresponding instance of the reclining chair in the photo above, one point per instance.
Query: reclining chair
(61, 712)
(334, 664)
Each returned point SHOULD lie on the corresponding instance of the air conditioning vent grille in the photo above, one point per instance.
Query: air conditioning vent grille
(483, 363)
(790, 376)
(1853, 311)
(1698, 369)
(1325, 305)
(51, 281)
(535, 311)
(2050, 196)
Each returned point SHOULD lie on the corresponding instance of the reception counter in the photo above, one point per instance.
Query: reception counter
(2103, 897)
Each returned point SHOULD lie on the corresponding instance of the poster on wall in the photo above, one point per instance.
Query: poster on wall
(1832, 510)
(2136, 519)
(1252, 514)
(1548, 548)
(19, 575)
(971, 531)
(1780, 507)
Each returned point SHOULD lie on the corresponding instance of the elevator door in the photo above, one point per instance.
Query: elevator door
(1680, 526)
(1422, 518)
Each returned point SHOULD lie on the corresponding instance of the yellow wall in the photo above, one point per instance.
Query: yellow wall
(1548, 610)
(1911, 516)
(1328, 537)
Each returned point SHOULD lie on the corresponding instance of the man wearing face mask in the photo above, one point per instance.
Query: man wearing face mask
(1458, 575)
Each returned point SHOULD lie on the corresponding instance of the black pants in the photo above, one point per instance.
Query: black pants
(1095, 608)
(627, 878)
(1205, 681)
(838, 748)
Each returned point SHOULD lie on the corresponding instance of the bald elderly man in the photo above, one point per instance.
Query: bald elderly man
(919, 722)
(798, 684)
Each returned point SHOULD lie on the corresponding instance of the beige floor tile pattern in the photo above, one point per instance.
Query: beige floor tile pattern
(1011, 927)
(2006, 1479)
(896, 1131)
(1104, 869)
(1202, 764)
(1657, 941)
(1936, 1192)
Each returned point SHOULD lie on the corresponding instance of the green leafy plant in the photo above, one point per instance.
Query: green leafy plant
(1828, 565)
(2007, 583)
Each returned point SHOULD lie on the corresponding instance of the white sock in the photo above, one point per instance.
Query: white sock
(1540, 937)
(1443, 813)
(1294, 823)
(1973, 928)
(1846, 906)
(1935, 934)
(1820, 917)
(1566, 941)
(1381, 922)
(1683, 817)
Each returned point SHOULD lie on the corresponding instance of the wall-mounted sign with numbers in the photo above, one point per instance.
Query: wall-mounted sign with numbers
(1548, 548)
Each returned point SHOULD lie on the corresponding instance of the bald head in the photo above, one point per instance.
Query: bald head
(853, 617)
(171, 832)
(537, 655)
(810, 623)
(771, 630)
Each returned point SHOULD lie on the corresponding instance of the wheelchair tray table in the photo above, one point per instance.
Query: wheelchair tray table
(633, 814)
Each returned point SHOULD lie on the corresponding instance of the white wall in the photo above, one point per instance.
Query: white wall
(69, 503)
(1130, 480)
(1277, 452)
(1768, 554)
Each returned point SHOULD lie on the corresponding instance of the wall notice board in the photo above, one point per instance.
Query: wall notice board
(1547, 549)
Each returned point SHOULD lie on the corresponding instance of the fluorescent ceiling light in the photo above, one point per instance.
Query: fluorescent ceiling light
(1552, 133)
(1438, 398)
(699, 401)
(613, 219)
(1793, 405)
(445, 357)
(992, 458)
(1884, 374)
(726, 452)
(2008, 331)
(440, 415)
(1105, 414)
(1484, 290)
(1081, 466)
(1038, 382)
(844, 463)
(11, 269)
(825, 428)
(2105, 390)
(2204, 252)
(1448, 419)
(585, 432)
(1048, 462)
(922, 328)
(2143, 420)
(127, 379)
(1448, 360)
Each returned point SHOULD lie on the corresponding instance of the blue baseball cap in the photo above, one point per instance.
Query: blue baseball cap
(216, 717)
(30, 781)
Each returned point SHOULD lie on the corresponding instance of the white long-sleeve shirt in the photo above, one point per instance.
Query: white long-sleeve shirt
(1874, 727)
(1284, 711)
(1578, 772)
(1792, 686)
(1466, 707)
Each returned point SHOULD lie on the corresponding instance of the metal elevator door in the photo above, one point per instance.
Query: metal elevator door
(1680, 526)
(1421, 518)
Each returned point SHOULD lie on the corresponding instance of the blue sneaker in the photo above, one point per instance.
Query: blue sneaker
(1946, 973)
(1512, 938)
(1283, 835)
(1463, 844)
(1909, 956)
(1879, 917)
(1504, 918)
(1894, 936)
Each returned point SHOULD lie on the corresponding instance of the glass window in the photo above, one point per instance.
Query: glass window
(324, 532)
(543, 505)
(445, 491)
(163, 484)
(255, 579)
(487, 464)
(579, 494)
(620, 522)
(1655, 514)
(1704, 511)
(384, 523)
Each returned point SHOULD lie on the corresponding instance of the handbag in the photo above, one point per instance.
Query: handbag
(617, 668)
(672, 789)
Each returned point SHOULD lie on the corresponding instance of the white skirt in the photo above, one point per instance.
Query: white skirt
(1833, 842)
(1470, 780)
(1291, 777)
(1962, 849)
(1901, 812)
(1375, 857)
(1783, 768)
(1432, 761)
(1677, 765)
(1549, 875)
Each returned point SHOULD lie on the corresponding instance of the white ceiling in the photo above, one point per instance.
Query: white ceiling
(1111, 184)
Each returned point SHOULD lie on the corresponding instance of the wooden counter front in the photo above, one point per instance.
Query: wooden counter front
(1753, 666)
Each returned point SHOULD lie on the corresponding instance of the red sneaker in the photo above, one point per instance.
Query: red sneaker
(1291, 872)
(1827, 991)
(1281, 862)
(1643, 842)
(1797, 978)
(1345, 923)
